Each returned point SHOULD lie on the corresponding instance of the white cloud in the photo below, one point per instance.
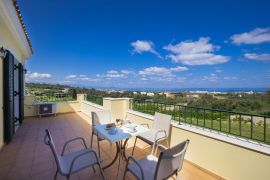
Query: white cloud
(127, 72)
(140, 47)
(180, 79)
(161, 71)
(256, 36)
(211, 77)
(144, 79)
(37, 75)
(230, 78)
(71, 76)
(113, 74)
(199, 52)
(219, 71)
(179, 69)
(258, 57)
(88, 79)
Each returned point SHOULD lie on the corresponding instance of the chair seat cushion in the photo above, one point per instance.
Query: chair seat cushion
(81, 162)
(148, 165)
(149, 136)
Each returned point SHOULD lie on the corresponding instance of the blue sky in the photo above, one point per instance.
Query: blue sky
(142, 44)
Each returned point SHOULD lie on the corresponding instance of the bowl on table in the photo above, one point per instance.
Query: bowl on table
(112, 130)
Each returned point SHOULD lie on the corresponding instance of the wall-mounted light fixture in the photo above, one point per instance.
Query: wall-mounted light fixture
(3, 53)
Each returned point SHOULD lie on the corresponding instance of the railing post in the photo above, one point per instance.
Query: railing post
(220, 120)
(240, 125)
(197, 111)
(203, 117)
(264, 130)
(251, 128)
(191, 114)
(211, 119)
(144, 106)
(185, 114)
(179, 116)
(229, 122)
(174, 111)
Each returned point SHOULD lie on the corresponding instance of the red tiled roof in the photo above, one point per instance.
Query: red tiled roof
(15, 3)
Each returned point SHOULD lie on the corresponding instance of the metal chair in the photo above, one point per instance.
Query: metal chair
(159, 132)
(169, 163)
(99, 117)
(75, 161)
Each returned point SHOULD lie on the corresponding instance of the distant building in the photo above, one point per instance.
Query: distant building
(192, 96)
(150, 94)
(143, 93)
(169, 94)
(135, 93)
(65, 90)
(250, 92)
(199, 92)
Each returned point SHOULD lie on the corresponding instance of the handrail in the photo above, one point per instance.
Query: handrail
(247, 125)
(51, 98)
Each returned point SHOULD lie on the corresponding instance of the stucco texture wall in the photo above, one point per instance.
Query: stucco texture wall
(87, 108)
(8, 42)
(30, 109)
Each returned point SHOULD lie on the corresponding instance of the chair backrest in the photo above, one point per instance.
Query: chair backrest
(49, 141)
(101, 117)
(162, 122)
(171, 160)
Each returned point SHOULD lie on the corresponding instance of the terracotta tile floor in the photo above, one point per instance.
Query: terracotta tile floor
(26, 157)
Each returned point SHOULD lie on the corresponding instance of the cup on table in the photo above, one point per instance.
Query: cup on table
(112, 130)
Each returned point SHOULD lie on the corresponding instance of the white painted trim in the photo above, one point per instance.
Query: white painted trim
(9, 16)
(116, 99)
(228, 138)
(93, 104)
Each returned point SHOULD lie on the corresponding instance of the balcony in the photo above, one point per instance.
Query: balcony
(27, 157)
(211, 154)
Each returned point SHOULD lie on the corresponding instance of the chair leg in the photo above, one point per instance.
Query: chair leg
(125, 173)
(176, 176)
(101, 171)
(98, 148)
(153, 149)
(68, 176)
(55, 175)
(91, 140)
(134, 146)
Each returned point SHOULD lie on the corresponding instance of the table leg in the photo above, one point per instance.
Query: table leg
(115, 158)
(120, 152)
(119, 161)
(124, 149)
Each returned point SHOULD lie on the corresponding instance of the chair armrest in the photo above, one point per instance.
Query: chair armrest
(159, 146)
(76, 157)
(72, 140)
(145, 124)
(161, 138)
(137, 164)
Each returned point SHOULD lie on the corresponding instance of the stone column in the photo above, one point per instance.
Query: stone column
(117, 106)
(81, 97)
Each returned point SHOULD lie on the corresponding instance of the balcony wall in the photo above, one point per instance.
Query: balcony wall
(224, 159)
(30, 108)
